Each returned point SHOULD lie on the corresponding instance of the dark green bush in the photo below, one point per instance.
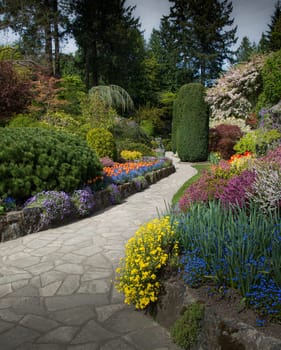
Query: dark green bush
(271, 77)
(34, 160)
(192, 123)
(130, 145)
(129, 129)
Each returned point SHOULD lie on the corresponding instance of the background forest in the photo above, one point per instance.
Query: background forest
(116, 80)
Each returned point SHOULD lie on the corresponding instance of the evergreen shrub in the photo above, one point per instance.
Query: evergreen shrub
(33, 160)
(192, 123)
(271, 78)
(102, 142)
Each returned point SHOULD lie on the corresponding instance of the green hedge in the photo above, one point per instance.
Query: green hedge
(191, 123)
(34, 160)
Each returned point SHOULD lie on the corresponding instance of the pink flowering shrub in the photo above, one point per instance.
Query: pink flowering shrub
(236, 189)
(106, 162)
(273, 156)
(206, 188)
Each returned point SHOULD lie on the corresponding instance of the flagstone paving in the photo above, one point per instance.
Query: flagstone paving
(56, 289)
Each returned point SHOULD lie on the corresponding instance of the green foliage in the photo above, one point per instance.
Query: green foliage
(62, 122)
(258, 141)
(150, 119)
(129, 129)
(245, 50)
(214, 158)
(148, 127)
(102, 142)
(202, 36)
(23, 121)
(130, 145)
(192, 123)
(95, 112)
(273, 36)
(72, 91)
(34, 160)
(271, 77)
(113, 96)
(186, 329)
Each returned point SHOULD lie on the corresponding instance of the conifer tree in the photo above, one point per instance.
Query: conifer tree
(204, 33)
(245, 50)
(274, 33)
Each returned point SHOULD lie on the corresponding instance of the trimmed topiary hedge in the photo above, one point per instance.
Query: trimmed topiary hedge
(191, 123)
(33, 160)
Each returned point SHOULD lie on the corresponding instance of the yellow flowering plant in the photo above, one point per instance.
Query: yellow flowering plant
(147, 252)
(131, 155)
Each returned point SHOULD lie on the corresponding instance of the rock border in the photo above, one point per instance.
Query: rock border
(217, 332)
(16, 224)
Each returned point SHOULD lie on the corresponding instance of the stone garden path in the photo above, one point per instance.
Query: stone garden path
(56, 289)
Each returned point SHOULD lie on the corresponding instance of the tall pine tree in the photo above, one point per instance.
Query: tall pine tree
(245, 50)
(39, 25)
(273, 35)
(204, 33)
(111, 43)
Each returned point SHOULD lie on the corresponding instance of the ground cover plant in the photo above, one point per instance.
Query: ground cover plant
(147, 252)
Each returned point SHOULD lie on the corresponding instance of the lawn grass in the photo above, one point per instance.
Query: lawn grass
(200, 168)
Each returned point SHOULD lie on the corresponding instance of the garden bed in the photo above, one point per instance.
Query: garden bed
(16, 224)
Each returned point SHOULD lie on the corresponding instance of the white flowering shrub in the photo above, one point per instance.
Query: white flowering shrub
(236, 92)
(231, 121)
(266, 189)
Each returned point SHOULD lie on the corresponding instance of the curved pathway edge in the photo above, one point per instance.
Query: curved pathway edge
(56, 289)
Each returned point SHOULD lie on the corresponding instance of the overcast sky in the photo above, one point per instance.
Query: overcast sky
(251, 16)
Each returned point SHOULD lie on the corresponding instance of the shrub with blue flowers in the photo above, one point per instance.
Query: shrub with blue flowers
(83, 201)
(114, 194)
(55, 206)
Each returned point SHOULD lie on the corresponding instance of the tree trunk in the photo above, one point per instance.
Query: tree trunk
(56, 39)
(87, 69)
(48, 39)
(95, 64)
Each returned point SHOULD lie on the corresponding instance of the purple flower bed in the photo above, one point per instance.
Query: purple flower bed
(235, 190)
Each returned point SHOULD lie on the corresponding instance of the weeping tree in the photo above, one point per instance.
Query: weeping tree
(114, 96)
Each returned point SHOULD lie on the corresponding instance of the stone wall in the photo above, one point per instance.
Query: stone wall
(20, 223)
(217, 332)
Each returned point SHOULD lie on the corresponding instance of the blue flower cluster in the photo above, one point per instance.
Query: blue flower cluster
(114, 194)
(233, 250)
(83, 201)
(55, 206)
(123, 177)
(194, 268)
